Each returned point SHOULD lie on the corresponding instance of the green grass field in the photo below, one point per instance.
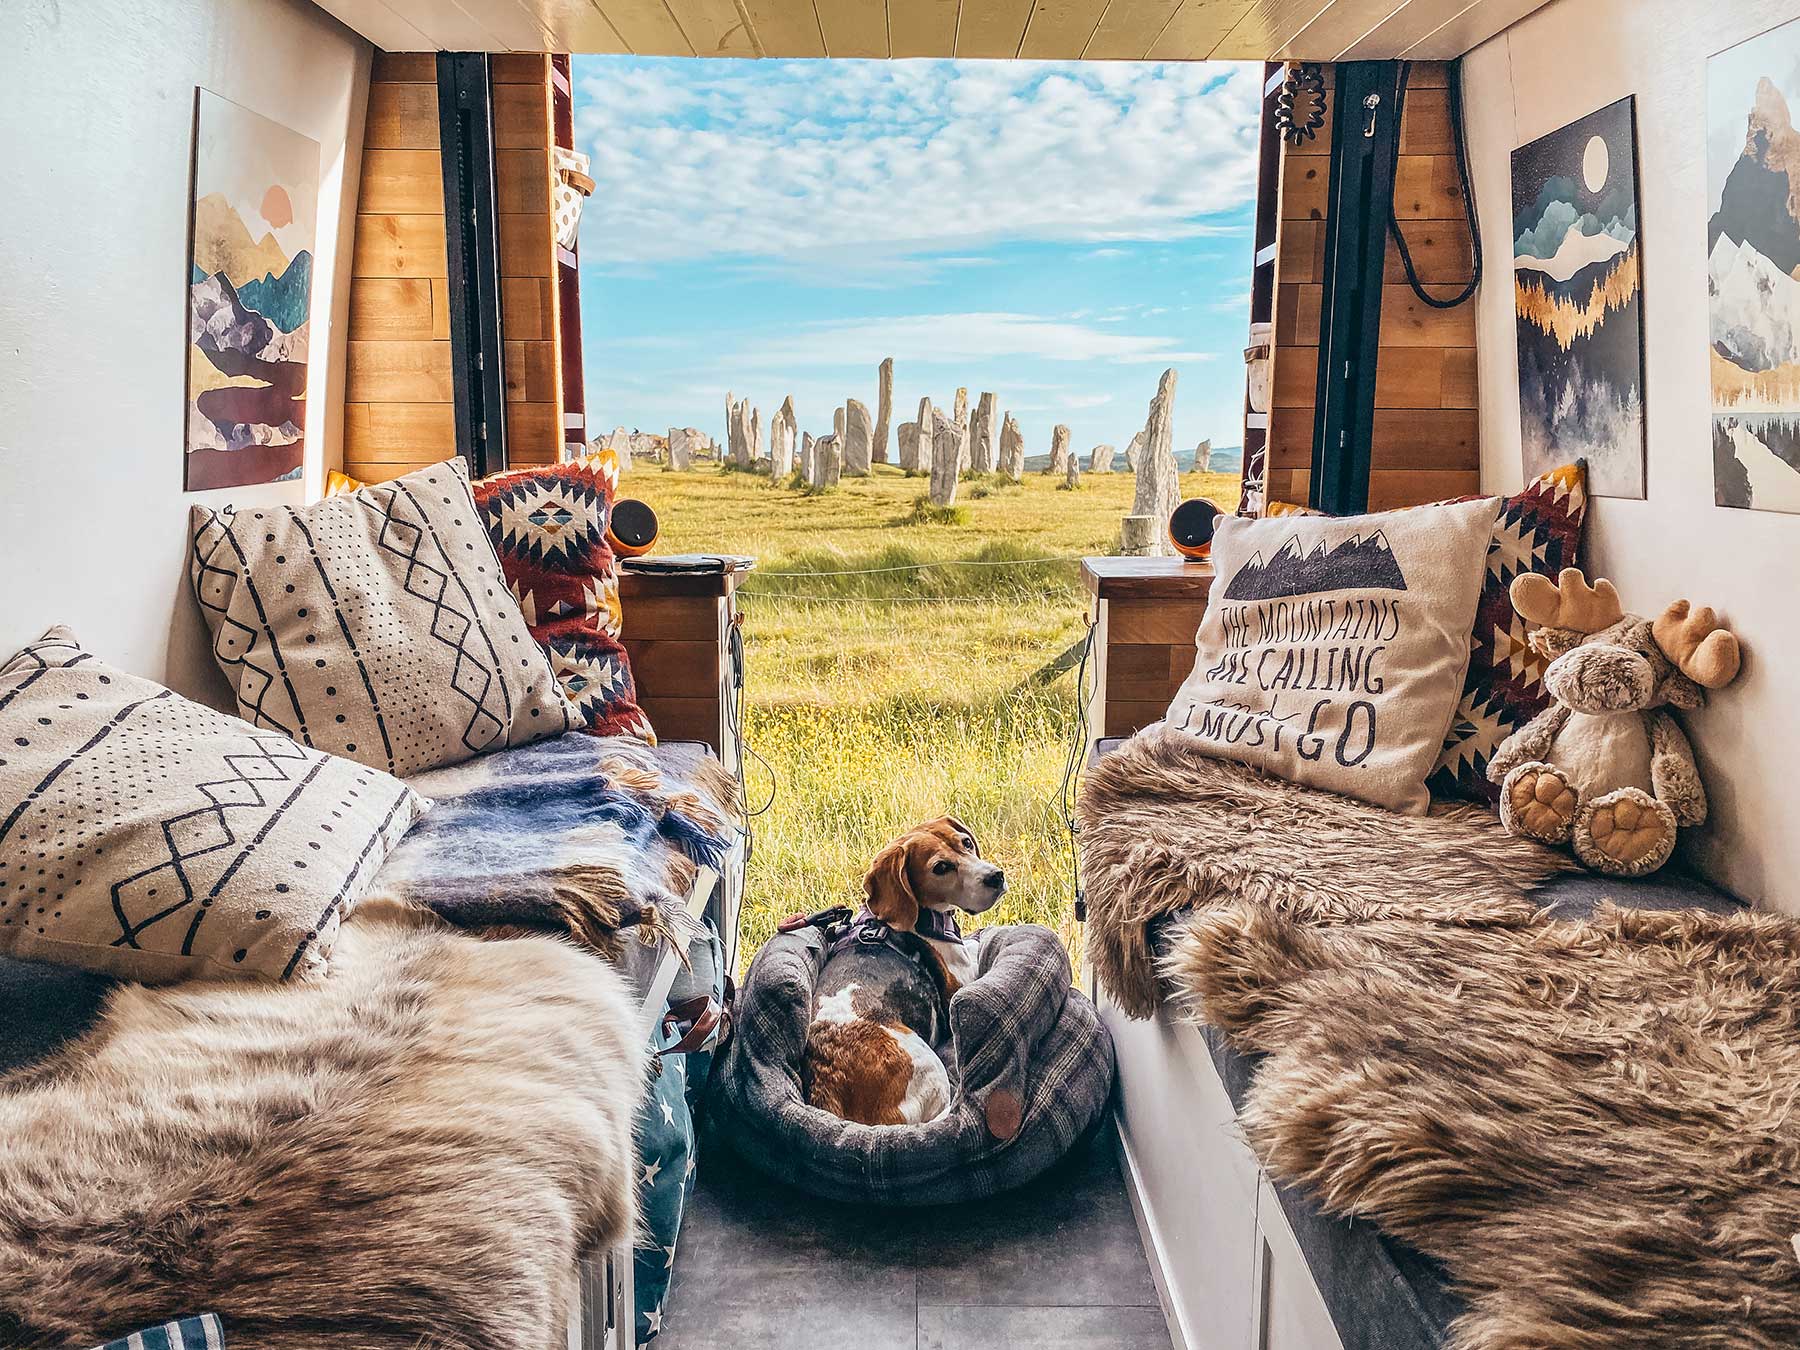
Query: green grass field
(901, 693)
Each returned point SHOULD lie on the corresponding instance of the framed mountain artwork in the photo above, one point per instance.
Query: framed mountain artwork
(1753, 242)
(1576, 293)
(256, 206)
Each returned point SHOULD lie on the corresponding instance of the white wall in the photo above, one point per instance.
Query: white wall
(96, 143)
(1562, 62)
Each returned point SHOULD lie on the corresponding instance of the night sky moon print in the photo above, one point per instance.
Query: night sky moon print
(1576, 291)
(1753, 259)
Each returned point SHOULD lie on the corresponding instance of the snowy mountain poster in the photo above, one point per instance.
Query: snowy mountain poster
(1753, 242)
(1576, 292)
(256, 201)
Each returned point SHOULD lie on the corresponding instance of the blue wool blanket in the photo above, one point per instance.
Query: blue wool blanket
(579, 835)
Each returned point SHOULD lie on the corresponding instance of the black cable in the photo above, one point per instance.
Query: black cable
(1071, 780)
(1468, 192)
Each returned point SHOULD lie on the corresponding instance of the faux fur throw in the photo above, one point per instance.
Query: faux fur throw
(586, 837)
(1591, 1124)
(1165, 828)
(413, 1152)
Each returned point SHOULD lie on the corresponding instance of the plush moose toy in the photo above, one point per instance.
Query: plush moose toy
(1605, 767)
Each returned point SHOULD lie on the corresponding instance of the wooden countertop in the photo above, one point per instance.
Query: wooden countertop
(1147, 578)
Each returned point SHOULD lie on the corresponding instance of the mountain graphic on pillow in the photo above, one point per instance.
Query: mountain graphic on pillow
(1357, 564)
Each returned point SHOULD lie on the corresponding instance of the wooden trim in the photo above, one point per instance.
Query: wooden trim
(1147, 578)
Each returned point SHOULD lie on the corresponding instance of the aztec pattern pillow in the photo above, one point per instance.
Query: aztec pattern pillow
(148, 837)
(375, 625)
(1539, 530)
(549, 526)
(1333, 650)
(190, 1333)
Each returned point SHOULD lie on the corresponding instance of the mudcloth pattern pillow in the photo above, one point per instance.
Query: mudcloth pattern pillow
(1539, 530)
(1333, 650)
(549, 527)
(148, 837)
(375, 625)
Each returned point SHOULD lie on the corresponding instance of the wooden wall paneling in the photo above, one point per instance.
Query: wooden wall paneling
(991, 28)
(402, 116)
(397, 385)
(1336, 28)
(1266, 28)
(1058, 30)
(523, 137)
(921, 27)
(451, 26)
(646, 26)
(783, 29)
(1196, 30)
(1299, 271)
(1424, 431)
(854, 28)
(522, 181)
(714, 27)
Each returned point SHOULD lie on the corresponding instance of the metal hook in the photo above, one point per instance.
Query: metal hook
(1371, 102)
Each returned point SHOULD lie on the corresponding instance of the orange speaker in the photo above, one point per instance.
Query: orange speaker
(1191, 527)
(631, 529)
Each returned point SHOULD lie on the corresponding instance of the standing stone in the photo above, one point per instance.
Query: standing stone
(859, 438)
(1012, 449)
(683, 442)
(809, 460)
(755, 452)
(915, 446)
(782, 430)
(959, 411)
(1134, 452)
(1059, 450)
(828, 452)
(1158, 485)
(731, 416)
(1100, 459)
(947, 440)
(884, 409)
(981, 434)
(837, 427)
(1072, 472)
(1203, 455)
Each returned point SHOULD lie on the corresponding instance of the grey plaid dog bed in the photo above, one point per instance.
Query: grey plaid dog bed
(1025, 1049)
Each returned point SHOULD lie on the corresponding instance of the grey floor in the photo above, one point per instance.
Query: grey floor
(1054, 1266)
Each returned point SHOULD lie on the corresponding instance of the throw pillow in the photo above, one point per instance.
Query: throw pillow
(1539, 530)
(375, 625)
(549, 525)
(151, 838)
(1333, 649)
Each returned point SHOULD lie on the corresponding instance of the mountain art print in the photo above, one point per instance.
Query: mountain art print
(256, 202)
(1355, 564)
(1576, 292)
(1753, 261)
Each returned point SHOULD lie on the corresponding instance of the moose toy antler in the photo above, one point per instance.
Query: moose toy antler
(1701, 647)
(1568, 602)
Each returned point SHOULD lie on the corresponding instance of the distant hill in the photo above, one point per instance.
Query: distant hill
(1225, 459)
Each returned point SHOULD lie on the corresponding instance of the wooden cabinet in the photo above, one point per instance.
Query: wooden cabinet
(1144, 613)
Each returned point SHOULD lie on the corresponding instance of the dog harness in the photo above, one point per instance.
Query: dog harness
(844, 930)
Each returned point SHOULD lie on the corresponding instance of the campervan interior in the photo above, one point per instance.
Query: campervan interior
(376, 812)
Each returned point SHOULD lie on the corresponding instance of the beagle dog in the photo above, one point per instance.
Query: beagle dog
(881, 1004)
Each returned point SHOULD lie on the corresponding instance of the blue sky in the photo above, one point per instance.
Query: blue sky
(1057, 233)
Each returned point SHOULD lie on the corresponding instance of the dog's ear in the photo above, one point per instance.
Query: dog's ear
(890, 890)
(961, 828)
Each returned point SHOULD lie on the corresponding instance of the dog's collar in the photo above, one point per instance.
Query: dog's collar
(937, 924)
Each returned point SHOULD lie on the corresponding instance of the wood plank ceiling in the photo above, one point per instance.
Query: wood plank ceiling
(1095, 30)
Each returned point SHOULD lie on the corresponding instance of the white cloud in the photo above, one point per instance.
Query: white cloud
(931, 338)
(846, 161)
